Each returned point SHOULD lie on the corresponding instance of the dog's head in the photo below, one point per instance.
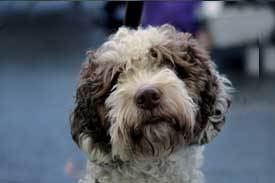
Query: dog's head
(145, 93)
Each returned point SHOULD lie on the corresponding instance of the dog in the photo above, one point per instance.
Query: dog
(146, 103)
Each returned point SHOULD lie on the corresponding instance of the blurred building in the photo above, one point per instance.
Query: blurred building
(245, 27)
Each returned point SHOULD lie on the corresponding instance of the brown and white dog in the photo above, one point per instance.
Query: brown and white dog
(146, 102)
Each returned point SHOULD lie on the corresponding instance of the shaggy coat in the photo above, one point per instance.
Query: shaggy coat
(125, 142)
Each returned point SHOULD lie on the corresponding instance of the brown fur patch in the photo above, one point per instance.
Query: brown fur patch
(193, 65)
(89, 115)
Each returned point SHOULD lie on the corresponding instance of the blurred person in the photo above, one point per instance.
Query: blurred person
(183, 15)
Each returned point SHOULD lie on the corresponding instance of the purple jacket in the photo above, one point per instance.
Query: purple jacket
(182, 14)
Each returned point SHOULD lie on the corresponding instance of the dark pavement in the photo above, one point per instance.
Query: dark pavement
(40, 57)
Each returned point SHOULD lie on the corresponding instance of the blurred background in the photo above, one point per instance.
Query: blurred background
(42, 46)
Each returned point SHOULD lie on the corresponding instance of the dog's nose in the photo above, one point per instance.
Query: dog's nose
(148, 97)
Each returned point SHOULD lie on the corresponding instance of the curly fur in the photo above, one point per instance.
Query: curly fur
(182, 167)
(125, 143)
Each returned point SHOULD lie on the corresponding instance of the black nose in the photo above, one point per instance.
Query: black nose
(148, 97)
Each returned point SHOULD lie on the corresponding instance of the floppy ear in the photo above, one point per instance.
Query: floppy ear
(215, 101)
(209, 90)
(213, 90)
(89, 125)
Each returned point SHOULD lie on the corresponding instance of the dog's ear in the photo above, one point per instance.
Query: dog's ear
(213, 105)
(89, 124)
(209, 90)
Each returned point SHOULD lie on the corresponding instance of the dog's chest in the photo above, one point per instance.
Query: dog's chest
(154, 172)
(183, 168)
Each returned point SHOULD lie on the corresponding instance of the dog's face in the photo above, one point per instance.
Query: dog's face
(146, 93)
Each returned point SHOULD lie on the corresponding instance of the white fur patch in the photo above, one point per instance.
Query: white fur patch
(129, 44)
(183, 167)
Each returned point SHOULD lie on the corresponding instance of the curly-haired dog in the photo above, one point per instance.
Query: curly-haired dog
(146, 102)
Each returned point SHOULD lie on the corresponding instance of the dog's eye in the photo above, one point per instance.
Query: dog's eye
(167, 63)
(114, 81)
(153, 53)
(112, 84)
